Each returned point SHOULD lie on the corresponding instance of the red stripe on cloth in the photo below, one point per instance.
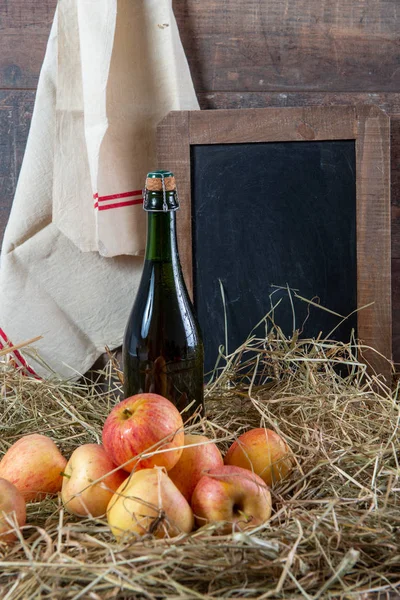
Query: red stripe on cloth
(123, 195)
(17, 355)
(120, 204)
(99, 199)
(3, 335)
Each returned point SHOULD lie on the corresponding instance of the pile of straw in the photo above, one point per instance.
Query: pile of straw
(335, 528)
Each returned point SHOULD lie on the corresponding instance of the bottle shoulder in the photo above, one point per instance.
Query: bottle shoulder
(164, 281)
(162, 306)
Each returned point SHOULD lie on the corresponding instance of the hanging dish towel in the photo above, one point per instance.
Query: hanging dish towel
(72, 251)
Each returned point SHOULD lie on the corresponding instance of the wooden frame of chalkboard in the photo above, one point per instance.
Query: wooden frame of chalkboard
(368, 127)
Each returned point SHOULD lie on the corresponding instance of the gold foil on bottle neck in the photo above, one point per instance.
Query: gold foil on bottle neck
(155, 184)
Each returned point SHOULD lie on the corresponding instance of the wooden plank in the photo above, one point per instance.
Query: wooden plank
(395, 183)
(260, 125)
(373, 236)
(25, 27)
(396, 311)
(388, 102)
(331, 45)
(173, 139)
(15, 116)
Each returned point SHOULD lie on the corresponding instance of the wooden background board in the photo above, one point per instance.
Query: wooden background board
(242, 54)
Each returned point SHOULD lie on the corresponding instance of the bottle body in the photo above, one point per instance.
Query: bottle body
(162, 349)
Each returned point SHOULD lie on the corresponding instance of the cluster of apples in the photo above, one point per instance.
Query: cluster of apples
(148, 475)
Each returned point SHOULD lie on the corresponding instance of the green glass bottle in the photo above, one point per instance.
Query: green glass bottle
(162, 349)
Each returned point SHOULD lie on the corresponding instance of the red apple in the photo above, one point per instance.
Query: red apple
(232, 495)
(12, 508)
(34, 465)
(144, 422)
(149, 502)
(80, 494)
(262, 451)
(199, 456)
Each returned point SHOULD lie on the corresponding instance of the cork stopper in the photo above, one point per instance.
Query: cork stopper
(167, 200)
(154, 181)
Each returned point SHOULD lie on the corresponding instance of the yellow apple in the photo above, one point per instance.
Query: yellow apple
(262, 451)
(140, 423)
(12, 508)
(231, 495)
(198, 456)
(80, 495)
(34, 465)
(149, 502)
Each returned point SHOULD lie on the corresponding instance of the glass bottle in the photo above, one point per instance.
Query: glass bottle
(163, 349)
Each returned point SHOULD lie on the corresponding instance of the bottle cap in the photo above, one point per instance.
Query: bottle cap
(155, 179)
(164, 182)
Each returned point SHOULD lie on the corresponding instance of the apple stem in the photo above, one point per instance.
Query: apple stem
(127, 413)
(247, 518)
(65, 475)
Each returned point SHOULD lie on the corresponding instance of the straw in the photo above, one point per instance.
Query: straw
(335, 527)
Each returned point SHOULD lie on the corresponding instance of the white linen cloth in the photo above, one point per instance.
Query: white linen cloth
(72, 252)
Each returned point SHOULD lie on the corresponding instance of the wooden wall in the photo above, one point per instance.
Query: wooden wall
(242, 54)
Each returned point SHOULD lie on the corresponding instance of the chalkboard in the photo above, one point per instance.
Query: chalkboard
(280, 199)
(273, 214)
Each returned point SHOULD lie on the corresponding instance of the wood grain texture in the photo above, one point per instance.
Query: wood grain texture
(337, 45)
(373, 236)
(369, 126)
(396, 309)
(174, 138)
(272, 124)
(15, 116)
(24, 30)
(388, 102)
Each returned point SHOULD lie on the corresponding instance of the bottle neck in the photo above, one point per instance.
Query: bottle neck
(161, 237)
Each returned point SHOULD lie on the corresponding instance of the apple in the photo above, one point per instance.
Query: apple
(12, 508)
(232, 495)
(140, 423)
(198, 456)
(149, 502)
(262, 451)
(80, 495)
(34, 465)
